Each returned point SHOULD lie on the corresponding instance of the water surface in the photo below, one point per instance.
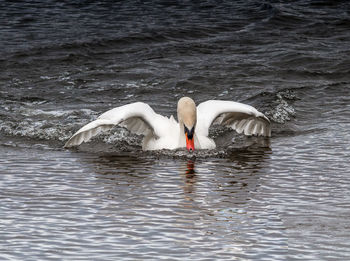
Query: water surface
(283, 198)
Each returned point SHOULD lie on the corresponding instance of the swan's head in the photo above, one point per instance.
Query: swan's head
(187, 116)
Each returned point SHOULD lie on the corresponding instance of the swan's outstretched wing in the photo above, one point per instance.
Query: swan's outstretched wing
(241, 117)
(137, 117)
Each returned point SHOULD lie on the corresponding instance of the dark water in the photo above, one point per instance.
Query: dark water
(63, 63)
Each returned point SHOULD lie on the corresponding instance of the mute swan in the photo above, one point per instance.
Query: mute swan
(191, 130)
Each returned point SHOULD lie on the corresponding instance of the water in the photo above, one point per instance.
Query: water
(283, 198)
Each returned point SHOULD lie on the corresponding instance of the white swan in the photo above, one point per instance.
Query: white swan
(191, 130)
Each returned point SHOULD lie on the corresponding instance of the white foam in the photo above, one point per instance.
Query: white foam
(283, 111)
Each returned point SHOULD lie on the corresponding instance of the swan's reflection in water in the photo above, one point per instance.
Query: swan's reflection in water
(238, 174)
(189, 177)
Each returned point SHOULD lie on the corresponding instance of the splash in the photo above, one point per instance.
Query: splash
(24, 120)
(182, 153)
(283, 111)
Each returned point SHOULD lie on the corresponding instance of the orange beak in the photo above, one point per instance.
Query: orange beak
(189, 144)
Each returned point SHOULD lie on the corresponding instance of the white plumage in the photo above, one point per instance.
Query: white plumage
(166, 133)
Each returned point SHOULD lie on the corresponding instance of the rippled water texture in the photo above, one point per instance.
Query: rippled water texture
(64, 63)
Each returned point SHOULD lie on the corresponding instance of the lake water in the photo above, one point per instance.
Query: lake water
(284, 198)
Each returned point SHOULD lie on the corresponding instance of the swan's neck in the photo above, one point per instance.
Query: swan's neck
(182, 137)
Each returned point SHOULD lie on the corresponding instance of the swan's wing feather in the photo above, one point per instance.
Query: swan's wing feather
(136, 125)
(241, 117)
(137, 117)
(88, 131)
